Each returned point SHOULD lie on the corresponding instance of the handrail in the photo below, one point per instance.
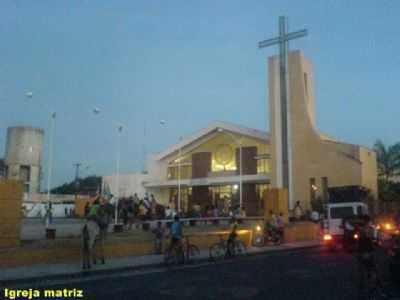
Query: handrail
(201, 219)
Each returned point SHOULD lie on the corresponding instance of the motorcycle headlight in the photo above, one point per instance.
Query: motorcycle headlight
(388, 226)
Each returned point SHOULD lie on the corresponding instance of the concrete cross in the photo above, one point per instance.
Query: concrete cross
(283, 40)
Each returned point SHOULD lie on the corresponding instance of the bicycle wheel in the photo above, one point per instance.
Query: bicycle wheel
(192, 252)
(239, 248)
(174, 257)
(217, 252)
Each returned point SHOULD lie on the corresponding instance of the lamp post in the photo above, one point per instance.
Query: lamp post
(162, 122)
(48, 221)
(50, 167)
(77, 166)
(238, 142)
(119, 130)
(179, 175)
(117, 227)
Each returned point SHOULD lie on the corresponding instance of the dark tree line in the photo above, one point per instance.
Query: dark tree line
(87, 185)
(388, 159)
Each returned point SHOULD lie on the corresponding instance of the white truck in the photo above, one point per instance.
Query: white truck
(332, 225)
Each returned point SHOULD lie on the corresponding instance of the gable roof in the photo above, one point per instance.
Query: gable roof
(213, 128)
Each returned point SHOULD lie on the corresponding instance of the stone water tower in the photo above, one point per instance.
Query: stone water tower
(23, 156)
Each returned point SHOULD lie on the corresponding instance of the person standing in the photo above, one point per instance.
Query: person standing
(158, 238)
(230, 244)
(216, 212)
(280, 222)
(153, 205)
(146, 201)
(273, 220)
(176, 237)
(298, 210)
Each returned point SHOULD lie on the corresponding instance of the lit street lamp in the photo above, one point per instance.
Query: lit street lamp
(238, 142)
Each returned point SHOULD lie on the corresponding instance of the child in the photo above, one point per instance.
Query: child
(159, 236)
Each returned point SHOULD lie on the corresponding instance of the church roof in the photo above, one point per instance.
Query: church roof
(211, 129)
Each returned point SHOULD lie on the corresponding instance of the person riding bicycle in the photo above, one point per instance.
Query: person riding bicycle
(176, 233)
(230, 243)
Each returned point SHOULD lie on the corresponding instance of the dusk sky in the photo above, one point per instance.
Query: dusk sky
(188, 63)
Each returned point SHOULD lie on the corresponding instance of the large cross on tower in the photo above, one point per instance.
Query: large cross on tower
(284, 179)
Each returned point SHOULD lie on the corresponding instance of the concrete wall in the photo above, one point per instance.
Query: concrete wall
(368, 172)
(36, 210)
(313, 155)
(24, 148)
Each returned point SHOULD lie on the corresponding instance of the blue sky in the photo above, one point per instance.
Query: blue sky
(189, 63)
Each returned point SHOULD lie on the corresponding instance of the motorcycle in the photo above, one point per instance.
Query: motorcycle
(264, 236)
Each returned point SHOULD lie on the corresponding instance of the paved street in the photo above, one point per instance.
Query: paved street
(34, 228)
(300, 274)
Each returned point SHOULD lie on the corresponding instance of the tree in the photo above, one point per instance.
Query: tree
(87, 185)
(388, 160)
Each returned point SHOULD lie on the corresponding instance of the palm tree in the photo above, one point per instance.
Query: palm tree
(388, 160)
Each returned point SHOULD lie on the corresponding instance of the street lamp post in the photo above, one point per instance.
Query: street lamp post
(117, 228)
(50, 168)
(117, 176)
(53, 115)
(179, 176)
(77, 166)
(238, 142)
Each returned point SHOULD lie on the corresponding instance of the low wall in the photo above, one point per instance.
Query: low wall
(131, 244)
(10, 213)
(302, 231)
(69, 250)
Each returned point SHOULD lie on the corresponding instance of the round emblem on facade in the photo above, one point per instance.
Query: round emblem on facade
(224, 154)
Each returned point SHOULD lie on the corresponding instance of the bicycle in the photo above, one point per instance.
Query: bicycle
(181, 253)
(190, 250)
(219, 250)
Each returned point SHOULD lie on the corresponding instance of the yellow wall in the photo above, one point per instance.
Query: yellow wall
(313, 155)
(68, 250)
(224, 138)
(10, 212)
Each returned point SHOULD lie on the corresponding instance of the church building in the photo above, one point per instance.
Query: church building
(205, 168)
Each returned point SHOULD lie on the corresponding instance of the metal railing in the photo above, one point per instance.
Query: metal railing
(202, 221)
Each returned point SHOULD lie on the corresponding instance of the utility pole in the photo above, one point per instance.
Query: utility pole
(77, 166)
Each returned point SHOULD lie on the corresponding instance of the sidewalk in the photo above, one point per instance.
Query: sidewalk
(20, 275)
